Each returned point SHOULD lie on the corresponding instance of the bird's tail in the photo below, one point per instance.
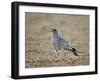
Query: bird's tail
(74, 51)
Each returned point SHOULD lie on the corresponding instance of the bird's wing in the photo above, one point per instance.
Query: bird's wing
(63, 43)
(55, 43)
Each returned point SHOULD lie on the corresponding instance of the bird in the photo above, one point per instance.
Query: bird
(60, 44)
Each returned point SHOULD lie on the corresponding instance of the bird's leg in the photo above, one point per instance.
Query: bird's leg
(62, 50)
(65, 52)
(56, 51)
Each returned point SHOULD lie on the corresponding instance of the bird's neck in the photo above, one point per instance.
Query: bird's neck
(55, 35)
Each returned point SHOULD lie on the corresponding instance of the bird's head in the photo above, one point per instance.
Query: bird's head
(54, 30)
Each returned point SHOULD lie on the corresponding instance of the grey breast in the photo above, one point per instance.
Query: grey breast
(59, 43)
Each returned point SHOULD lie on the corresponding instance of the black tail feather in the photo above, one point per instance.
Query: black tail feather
(74, 51)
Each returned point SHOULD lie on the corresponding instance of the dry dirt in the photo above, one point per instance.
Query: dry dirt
(39, 51)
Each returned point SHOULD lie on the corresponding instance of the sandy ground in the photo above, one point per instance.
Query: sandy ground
(39, 51)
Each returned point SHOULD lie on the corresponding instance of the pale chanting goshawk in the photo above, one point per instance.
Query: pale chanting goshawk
(60, 44)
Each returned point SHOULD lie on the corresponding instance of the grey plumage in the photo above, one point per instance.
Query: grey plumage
(61, 44)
